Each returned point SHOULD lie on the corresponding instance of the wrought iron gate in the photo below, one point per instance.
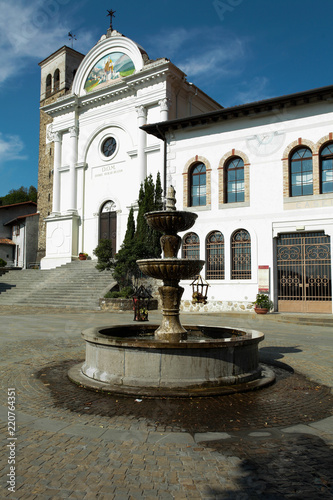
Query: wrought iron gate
(304, 273)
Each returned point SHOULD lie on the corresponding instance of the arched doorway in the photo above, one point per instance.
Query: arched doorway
(108, 224)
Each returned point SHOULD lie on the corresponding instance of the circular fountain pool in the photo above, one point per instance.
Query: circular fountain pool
(130, 360)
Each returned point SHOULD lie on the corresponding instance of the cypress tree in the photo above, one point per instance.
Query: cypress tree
(130, 231)
(144, 243)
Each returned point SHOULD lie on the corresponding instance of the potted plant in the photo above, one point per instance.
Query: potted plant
(262, 304)
(83, 256)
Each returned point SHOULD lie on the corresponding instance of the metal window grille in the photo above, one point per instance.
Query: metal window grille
(191, 246)
(241, 255)
(304, 267)
(215, 256)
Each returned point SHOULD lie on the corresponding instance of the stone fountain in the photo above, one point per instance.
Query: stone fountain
(171, 360)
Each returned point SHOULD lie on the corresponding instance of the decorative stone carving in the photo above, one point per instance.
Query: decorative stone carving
(141, 112)
(164, 104)
(73, 131)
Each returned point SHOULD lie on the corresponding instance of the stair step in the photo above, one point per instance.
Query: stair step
(76, 284)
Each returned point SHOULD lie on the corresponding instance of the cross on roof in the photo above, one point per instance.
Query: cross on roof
(111, 13)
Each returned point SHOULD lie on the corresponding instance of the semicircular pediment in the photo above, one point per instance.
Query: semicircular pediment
(110, 67)
(108, 61)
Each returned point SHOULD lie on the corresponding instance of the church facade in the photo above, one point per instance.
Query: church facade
(99, 155)
(259, 175)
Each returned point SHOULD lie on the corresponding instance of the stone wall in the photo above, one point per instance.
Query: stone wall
(217, 306)
(119, 305)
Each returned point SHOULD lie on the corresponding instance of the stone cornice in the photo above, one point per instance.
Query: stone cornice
(273, 106)
(150, 74)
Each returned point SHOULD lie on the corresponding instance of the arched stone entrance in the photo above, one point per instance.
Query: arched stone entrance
(108, 224)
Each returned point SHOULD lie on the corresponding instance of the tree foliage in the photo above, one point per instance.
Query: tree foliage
(19, 196)
(103, 252)
(142, 243)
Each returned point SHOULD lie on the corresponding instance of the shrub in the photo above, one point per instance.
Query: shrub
(125, 292)
(3, 263)
(103, 252)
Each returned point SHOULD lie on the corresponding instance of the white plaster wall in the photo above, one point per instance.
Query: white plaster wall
(266, 207)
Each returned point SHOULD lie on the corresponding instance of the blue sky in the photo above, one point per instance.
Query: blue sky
(237, 51)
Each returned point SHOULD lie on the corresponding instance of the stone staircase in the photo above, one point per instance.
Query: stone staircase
(74, 285)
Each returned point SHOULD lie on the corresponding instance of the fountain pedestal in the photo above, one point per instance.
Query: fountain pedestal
(170, 269)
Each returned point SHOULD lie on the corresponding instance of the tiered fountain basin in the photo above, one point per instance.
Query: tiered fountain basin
(170, 270)
(129, 360)
(170, 359)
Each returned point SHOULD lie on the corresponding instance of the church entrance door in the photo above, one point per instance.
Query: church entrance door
(108, 224)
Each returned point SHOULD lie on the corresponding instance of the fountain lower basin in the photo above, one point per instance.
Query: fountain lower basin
(130, 360)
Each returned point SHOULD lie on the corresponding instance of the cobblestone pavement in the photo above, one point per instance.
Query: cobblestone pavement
(270, 444)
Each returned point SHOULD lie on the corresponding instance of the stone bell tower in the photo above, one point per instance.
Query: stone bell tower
(57, 75)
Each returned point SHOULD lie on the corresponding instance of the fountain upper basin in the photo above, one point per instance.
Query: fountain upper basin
(171, 222)
(171, 269)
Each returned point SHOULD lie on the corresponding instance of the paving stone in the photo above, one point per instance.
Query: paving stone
(78, 444)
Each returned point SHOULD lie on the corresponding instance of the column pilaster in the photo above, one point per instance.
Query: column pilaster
(142, 138)
(57, 139)
(74, 135)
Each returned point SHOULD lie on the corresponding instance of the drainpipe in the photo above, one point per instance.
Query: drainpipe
(164, 161)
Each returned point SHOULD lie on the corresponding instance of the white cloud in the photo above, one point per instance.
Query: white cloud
(10, 148)
(32, 30)
(255, 90)
(201, 52)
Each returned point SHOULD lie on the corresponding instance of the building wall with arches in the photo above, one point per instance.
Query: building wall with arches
(264, 142)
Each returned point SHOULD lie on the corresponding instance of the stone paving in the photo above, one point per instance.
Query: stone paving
(72, 443)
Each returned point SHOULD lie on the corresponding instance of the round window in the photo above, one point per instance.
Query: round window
(109, 146)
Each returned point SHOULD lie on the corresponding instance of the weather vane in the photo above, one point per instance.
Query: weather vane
(72, 37)
(111, 13)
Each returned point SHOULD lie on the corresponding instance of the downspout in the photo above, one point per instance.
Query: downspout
(165, 160)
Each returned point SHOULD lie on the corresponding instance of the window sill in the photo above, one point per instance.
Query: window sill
(197, 209)
(238, 204)
(309, 201)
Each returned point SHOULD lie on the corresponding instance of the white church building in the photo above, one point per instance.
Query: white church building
(259, 175)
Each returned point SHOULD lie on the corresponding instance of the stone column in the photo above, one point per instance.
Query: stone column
(73, 134)
(164, 109)
(142, 166)
(56, 173)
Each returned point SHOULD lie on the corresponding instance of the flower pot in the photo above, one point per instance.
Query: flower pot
(82, 257)
(261, 310)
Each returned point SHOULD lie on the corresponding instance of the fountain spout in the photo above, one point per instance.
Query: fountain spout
(170, 199)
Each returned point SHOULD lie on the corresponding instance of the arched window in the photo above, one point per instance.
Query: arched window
(191, 246)
(215, 256)
(56, 80)
(234, 180)
(241, 255)
(326, 169)
(198, 185)
(301, 177)
(48, 88)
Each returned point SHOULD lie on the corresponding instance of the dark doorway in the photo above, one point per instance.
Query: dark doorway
(108, 224)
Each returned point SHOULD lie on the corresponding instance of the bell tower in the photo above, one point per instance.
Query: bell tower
(57, 75)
